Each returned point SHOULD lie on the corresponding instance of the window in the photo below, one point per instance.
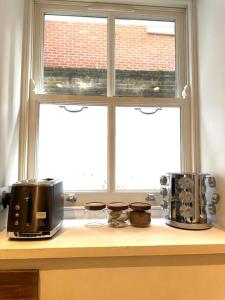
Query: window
(106, 115)
(78, 143)
(75, 55)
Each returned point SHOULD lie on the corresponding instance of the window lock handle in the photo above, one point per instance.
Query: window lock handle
(70, 198)
(150, 197)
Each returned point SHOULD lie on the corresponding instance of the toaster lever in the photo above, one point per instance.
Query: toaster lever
(28, 201)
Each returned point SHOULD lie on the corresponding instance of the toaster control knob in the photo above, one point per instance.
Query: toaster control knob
(16, 223)
(163, 180)
(215, 198)
(17, 207)
(212, 182)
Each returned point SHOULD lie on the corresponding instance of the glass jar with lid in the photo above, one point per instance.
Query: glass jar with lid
(140, 214)
(95, 214)
(118, 214)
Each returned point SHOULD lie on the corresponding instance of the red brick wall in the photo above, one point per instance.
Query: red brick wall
(84, 45)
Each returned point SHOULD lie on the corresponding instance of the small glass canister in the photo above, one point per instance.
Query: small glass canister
(95, 214)
(140, 214)
(118, 214)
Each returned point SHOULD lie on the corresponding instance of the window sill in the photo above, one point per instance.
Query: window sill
(77, 241)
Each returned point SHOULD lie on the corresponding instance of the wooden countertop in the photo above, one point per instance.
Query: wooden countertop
(75, 240)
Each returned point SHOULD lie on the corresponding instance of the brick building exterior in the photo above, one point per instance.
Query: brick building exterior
(76, 52)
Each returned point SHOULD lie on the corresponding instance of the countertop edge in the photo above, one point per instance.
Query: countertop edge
(124, 251)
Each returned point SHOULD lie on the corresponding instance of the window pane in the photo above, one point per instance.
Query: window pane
(75, 55)
(147, 146)
(145, 58)
(73, 146)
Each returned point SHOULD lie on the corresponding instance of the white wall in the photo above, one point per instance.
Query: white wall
(11, 26)
(211, 55)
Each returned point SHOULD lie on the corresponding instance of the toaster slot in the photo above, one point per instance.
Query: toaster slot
(28, 201)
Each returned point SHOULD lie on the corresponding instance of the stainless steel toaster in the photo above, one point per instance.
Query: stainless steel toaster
(35, 209)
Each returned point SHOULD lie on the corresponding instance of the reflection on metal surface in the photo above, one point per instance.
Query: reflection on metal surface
(185, 183)
(164, 192)
(186, 197)
(215, 198)
(163, 180)
(212, 182)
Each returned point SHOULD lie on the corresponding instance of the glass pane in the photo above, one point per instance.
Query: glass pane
(145, 58)
(147, 146)
(75, 55)
(73, 146)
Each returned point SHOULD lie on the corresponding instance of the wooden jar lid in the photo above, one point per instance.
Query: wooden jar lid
(116, 206)
(140, 206)
(95, 205)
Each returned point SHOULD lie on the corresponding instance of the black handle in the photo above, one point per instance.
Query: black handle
(6, 199)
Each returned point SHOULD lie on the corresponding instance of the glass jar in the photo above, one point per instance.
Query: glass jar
(140, 214)
(118, 214)
(95, 214)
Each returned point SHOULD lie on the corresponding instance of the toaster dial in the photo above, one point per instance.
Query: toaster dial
(16, 223)
(17, 207)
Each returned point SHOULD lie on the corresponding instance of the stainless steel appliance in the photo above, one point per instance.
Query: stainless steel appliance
(189, 200)
(35, 209)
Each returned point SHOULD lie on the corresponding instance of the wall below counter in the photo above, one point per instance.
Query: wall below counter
(136, 278)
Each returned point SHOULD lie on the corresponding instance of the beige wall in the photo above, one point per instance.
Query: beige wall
(211, 55)
(136, 283)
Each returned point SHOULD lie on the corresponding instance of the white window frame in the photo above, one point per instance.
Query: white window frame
(35, 97)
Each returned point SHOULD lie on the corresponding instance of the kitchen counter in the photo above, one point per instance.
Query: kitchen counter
(79, 261)
(75, 240)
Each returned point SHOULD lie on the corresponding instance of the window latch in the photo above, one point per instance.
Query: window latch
(70, 198)
(150, 197)
(186, 92)
(148, 113)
